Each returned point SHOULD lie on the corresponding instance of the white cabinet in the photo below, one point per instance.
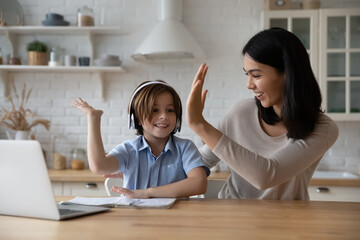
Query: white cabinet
(334, 193)
(13, 33)
(332, 39)
(340, 62)
(304, 24)
(79, 189)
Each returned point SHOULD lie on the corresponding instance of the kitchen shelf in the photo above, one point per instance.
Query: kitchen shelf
(12, 33)
(100, 71)
(91, 69)
(90, 32)
(24, 30)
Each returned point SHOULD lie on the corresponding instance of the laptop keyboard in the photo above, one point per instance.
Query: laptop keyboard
(68, 211)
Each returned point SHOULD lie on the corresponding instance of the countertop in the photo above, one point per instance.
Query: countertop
(86, 176)
(200, 219)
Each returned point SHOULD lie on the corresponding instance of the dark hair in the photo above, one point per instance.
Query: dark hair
(143, 103)
(282, 50)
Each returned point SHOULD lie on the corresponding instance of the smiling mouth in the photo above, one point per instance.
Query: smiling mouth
(161, 125)
(259, 94)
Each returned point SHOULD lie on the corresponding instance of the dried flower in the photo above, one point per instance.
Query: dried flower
(18, 118)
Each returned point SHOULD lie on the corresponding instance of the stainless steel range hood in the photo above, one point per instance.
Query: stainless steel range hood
(169, 39)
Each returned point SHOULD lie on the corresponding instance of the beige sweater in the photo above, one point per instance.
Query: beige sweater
(264, 167)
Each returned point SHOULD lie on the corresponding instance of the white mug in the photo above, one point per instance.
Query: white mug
(70, 60)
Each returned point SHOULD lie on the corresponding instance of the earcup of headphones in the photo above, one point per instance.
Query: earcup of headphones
(131, 121)
(178, 125)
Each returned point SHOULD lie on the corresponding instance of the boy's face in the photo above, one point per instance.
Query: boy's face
(163, 118)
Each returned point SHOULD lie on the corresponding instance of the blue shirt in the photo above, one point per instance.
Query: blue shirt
(143, 170)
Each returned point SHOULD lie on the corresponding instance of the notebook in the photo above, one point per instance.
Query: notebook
(123, 202)
(25, 187)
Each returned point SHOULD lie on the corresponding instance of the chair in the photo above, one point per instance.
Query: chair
(109, 183)
(213, 187)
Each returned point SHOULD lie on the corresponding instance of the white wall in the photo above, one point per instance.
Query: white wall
(221, 27)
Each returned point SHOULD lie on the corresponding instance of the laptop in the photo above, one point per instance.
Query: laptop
(25, 187)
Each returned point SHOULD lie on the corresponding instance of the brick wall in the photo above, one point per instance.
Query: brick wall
(221, 27)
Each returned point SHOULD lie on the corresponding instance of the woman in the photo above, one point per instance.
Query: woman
(274, 142)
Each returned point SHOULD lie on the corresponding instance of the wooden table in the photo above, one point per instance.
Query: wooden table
(200, 219)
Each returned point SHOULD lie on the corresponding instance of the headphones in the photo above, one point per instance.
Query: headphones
(131, 118)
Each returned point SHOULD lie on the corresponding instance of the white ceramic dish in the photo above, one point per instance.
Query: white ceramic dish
(107, 62)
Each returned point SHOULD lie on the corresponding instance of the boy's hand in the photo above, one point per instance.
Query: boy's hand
(141, 193)
(86, 108)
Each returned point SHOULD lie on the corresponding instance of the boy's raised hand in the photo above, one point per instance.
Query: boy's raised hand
(86, 108)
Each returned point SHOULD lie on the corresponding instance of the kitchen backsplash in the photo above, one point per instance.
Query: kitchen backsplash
(220, 27)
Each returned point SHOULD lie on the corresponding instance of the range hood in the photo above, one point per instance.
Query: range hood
(169, 39)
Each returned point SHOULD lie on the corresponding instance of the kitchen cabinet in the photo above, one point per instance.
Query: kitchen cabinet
(320, 189)
(332, 39)
(13, 33)
(77, 183)
(79, 189)
(334, 193)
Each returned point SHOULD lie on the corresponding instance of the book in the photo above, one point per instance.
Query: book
(122, 201)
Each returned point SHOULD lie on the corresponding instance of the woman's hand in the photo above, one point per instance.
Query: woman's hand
(142, 193)
(196, 100)
(86, 108)
(194, 108)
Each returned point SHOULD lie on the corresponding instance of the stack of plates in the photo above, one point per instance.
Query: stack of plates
(54, 19)
(107, 60)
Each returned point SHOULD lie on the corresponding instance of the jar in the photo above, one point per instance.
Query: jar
(1, 56)
(13, 60)
(85, 17)
(56, 57)
(60, 152)
(78, 158)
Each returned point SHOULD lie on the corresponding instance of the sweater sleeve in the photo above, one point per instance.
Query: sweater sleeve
(209, 158)
(283, 164)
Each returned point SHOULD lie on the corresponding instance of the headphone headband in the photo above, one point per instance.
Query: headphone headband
(131, 121)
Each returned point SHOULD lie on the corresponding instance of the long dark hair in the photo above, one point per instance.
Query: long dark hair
(282, 50)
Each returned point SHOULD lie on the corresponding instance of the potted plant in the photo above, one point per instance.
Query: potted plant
(37, 53)
(18, 117)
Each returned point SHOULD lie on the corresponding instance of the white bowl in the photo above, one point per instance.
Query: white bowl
(107, 62)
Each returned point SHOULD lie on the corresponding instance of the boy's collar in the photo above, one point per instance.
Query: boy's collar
(143, 144)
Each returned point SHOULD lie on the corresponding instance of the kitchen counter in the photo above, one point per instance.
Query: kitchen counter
(200, 219)
(313, 182)
(70, 175)
(87, 176)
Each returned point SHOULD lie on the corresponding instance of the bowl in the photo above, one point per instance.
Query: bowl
(107, 62)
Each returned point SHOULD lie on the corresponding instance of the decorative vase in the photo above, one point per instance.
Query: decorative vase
(22, 135)
(36, 58)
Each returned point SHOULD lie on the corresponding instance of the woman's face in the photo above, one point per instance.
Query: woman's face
(266, 83)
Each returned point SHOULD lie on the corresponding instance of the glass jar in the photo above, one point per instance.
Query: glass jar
(56, 56)
(1, 56)
(61, 152)
(78, 158)
(85, 17)
(13, 59)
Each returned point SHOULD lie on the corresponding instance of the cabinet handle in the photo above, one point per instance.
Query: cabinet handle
(322, 189)
(91, 185)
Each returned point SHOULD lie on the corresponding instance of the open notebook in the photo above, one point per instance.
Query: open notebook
(122, 202)
(25, 186)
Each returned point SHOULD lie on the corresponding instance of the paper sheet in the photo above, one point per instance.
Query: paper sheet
(123, 201)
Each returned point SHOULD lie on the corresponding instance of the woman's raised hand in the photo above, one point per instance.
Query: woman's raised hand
(196, 100)
(86, 108)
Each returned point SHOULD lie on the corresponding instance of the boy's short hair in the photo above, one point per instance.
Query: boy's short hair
(143, 102)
